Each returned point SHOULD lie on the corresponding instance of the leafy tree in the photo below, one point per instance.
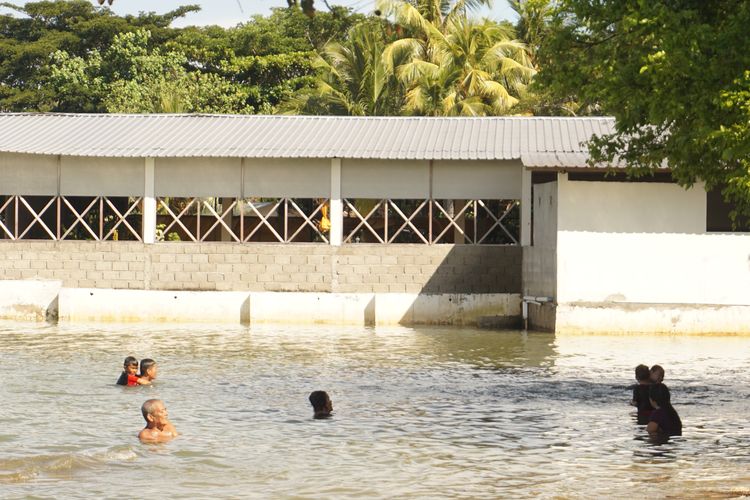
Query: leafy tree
(131, 78)
(673, 74)
(289, 30)
(75, 26)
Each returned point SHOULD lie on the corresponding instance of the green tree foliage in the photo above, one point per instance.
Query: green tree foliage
(128, 77)
(458, 66)
(674, 75)
(75, 26)
(354, 77)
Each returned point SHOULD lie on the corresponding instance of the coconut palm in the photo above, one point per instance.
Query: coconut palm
(353, 77)
(458, 66)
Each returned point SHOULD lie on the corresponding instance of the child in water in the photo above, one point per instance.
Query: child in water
(657, 374)
(129, 375)
(640, 394)
(148, 371)
(664, 419)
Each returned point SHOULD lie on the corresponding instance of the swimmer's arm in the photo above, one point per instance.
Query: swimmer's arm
(652, 428)
(144, 381)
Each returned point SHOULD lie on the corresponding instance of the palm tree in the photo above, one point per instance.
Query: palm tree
(458, 66)
(534, 17)
(353, 77)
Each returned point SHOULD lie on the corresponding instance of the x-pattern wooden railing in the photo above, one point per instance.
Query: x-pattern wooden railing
(100, 208)
(454, 221)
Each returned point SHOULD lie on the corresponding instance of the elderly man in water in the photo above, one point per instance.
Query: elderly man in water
(158, 427)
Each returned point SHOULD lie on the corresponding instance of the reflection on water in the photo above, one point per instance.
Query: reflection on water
(419, 413)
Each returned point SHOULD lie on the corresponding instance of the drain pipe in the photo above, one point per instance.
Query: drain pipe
(528, 299)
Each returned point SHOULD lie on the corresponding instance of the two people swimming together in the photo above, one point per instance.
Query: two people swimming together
(132, 377)
(653, 400)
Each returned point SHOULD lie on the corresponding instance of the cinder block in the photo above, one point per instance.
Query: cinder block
(233, 258)
(216, 258)
(102, 266)
(200, 258)
(266, 259)
(249, 258)
(282, 259)
(299, 259)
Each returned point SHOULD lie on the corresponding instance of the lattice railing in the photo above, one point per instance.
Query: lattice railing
(473, 222)
(283, 220)
(70, 218)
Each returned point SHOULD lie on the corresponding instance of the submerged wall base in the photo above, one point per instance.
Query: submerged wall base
(107, 305)
(612, 317)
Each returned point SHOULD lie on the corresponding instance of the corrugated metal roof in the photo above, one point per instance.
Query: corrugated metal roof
(536, 141)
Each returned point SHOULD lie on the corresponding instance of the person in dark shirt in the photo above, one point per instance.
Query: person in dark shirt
(129, 375)
(321, 403)
(664, 419)
(640, 394)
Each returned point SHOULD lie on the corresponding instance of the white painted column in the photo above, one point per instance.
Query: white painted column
(526, 202)
(337, 205)
(149, 203)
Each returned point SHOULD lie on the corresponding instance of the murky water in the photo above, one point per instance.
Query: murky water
(419, 413)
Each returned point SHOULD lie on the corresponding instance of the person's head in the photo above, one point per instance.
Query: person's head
(657, 374)
(642, 373)
(321, 403)
(154, 412)
(659, 395)
(130, 365)
(148, 368)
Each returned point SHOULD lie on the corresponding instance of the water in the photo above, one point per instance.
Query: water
(419, 413)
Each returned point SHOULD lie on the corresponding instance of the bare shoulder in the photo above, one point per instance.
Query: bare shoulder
(156, 436)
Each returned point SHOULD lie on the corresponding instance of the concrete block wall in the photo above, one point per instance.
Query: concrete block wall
(361, 268)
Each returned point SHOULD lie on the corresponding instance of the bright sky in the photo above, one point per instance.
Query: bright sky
(231, 12)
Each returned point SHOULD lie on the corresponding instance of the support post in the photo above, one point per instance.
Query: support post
(149, 203)
(337, 204)
(526, 201)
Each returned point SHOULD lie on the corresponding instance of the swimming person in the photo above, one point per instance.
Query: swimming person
(664, 419)
(640, 394)
(657, 374)
(321, 403)
(158, 427)
(148, 371)
(129, 375)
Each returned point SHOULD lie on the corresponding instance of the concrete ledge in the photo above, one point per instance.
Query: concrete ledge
(611, 317)
(124, 306)
(23, 300)
(107, 305)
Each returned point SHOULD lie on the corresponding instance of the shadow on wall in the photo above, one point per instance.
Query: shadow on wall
(473, 284)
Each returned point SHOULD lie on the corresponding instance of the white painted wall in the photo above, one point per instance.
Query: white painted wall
(653, 268)
(203, 177)
(477, 179)
(395, 179)
(85, 176)
(28, 174)
(637, 207)
(303, 178)
(645, 243)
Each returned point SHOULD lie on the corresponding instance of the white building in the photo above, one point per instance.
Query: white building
(383, 220)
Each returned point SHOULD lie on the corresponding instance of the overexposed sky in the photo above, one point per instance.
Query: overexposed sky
(231, 12)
